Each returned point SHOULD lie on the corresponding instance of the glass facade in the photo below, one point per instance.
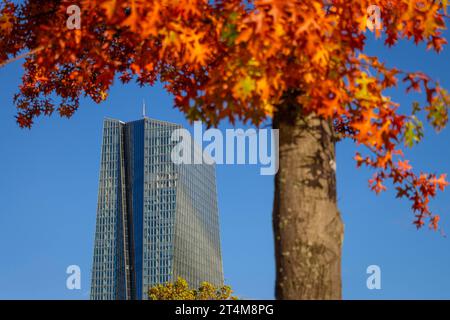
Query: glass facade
(156, 220)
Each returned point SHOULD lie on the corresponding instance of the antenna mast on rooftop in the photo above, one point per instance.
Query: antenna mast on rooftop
(143, 108)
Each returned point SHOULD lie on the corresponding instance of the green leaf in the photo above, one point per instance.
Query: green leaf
(413, 131)
(246, 86)
(415, 107)
(229, 34)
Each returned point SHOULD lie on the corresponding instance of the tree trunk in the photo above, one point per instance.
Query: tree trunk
(307, 225)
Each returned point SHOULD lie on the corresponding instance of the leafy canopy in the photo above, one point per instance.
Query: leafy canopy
(237, 59)
(179, 290)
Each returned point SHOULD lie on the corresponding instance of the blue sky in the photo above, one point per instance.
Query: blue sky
(48, 196)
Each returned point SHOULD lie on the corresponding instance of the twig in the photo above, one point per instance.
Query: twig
(23, 55)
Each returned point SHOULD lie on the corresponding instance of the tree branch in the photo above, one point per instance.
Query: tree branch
(23, 55)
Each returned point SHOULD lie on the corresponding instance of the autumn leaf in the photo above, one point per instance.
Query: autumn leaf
(441, 182)
(413, 132)
(404, 166)
(197, 52)
(110, 7)
(6, 24)
(133, 20)
(245, 86)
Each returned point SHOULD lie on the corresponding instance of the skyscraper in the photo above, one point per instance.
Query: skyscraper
(156, 220)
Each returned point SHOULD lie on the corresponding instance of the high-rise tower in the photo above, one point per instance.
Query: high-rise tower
(156, 220)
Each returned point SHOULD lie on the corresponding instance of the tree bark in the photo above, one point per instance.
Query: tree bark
(307, 225)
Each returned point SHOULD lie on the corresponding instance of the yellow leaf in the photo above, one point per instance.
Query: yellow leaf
(103, 95)
(321, 57)
(268, 108)
(245, 86)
